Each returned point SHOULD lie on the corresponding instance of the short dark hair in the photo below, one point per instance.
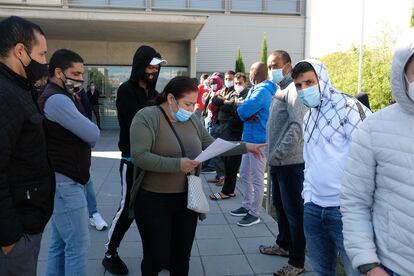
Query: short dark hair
(230, 72)
(15, 30)
(204, 76)
(302, 67)
(240, 75)
(285, 56)
(63, 59)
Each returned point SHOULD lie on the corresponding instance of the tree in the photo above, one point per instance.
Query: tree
(239, 63)
(412, 18)
(376, 72)
(264, 49)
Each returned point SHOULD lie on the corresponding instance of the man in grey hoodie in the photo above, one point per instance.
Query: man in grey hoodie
(285, 138)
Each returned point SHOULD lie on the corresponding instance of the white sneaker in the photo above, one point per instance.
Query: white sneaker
(98, 222)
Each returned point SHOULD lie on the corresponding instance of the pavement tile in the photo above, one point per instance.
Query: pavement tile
(257, 230)
(214, 247)
(226, 265)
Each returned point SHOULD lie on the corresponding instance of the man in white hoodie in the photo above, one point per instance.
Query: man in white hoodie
(377, 197)
(328, 127)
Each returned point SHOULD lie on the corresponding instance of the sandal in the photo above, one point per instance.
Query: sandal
(289, 270)
(221, 196)
(273, 250)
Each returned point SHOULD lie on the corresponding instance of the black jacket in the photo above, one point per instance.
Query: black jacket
(93, 98)
(26, 178)
(131, 97)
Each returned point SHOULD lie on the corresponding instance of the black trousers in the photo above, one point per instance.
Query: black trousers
(121, 222)
(231, 168)
(95, 110)
(167, 230)
(288, 187)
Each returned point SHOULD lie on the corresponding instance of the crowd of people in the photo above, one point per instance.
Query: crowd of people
(342, 176)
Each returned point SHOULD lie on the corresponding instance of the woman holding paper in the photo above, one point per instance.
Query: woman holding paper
(159, 194)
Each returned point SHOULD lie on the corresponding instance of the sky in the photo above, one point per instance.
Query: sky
(336, 24)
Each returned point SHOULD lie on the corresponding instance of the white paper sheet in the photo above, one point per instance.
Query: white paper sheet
(218, 147)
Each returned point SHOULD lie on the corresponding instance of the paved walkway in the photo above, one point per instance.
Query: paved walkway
(220, 248)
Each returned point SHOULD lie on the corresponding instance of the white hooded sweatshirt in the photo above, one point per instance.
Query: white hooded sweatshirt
(328, 129)
(377, 197)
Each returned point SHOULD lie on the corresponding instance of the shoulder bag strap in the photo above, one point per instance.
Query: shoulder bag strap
(173, 129)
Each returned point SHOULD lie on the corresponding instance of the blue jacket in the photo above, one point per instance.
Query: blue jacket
(258, 103)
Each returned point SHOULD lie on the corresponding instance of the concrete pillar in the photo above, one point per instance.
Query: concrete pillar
(192, 59)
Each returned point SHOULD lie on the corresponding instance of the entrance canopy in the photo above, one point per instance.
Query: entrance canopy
(110, 25)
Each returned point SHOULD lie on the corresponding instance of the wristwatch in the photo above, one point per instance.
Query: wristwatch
(364, 269)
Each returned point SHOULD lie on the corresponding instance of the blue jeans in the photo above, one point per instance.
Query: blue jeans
(323, 232)
(91, 198)
(68, 250)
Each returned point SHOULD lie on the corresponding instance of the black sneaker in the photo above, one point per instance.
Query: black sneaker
(115, 265)
(241, 212)
(249, 220)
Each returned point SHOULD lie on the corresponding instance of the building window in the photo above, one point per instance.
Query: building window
(107, 80)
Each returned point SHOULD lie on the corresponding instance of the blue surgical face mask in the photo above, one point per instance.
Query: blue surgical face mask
(311, 97)
(181, 115)
(276, 75)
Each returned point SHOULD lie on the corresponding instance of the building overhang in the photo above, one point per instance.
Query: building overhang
(110, 25)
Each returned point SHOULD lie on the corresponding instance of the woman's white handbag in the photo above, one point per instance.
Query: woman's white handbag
(197, 200)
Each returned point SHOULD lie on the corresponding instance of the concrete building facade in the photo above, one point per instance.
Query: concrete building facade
(195, 36)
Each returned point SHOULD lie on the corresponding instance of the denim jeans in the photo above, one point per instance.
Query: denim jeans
(68, 250)
(289, 182)
(323, 232)
(91, 198)
(252, 180)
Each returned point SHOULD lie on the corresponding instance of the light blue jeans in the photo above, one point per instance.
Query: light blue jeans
(323, 232)
(69, 245)
(91, 198)
(252, 180)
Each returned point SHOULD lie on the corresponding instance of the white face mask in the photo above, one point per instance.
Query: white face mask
(214, 87)
(238, 88)
(410, 91)
(206, 83)
(228, 84)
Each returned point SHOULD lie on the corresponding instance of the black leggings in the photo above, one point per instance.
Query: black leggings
(167, 230)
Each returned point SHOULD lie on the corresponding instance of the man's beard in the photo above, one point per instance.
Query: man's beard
(150, 78)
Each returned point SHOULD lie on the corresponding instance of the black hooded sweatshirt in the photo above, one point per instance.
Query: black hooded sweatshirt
(131, 97)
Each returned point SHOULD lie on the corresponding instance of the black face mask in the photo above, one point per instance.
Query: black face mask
(34, 70)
